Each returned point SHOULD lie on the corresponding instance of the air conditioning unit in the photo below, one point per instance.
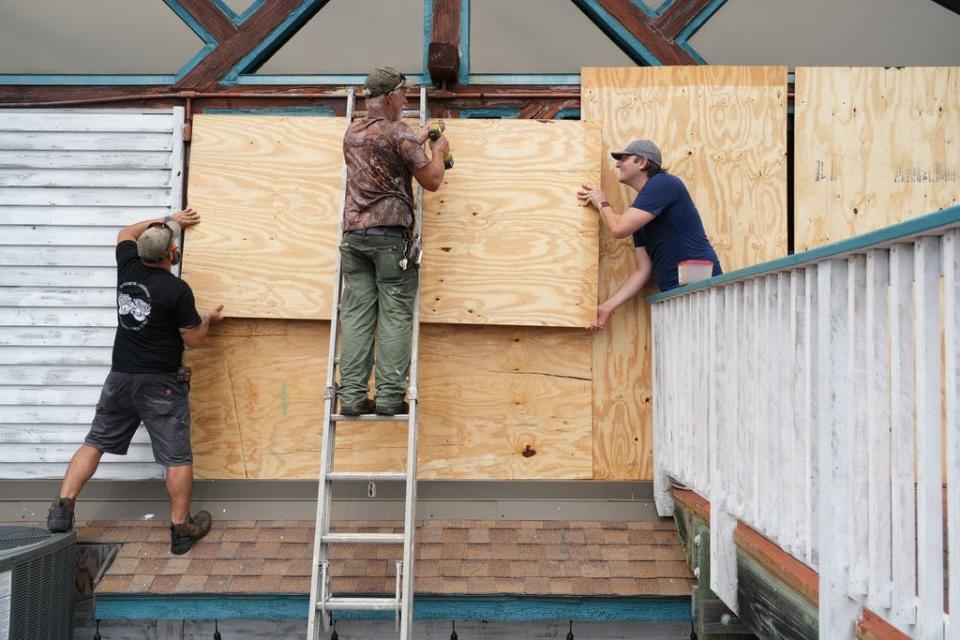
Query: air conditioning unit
(37, 574)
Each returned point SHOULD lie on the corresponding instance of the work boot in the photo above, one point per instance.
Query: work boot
(364, 406)
(183, 535)
(60, 516)
(395, 409)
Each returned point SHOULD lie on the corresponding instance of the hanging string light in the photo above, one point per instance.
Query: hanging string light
(333, 634)
(216, 631)
(453, 636)
(570, 633)
(96, 635)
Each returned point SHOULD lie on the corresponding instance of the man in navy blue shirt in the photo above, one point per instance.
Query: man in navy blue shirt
(665, 224)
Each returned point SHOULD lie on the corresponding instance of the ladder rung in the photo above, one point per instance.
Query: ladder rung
(369, 475)
(362, 604)
(368, 538)
(369, 417)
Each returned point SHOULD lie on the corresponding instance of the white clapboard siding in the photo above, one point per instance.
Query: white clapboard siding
(69, 180)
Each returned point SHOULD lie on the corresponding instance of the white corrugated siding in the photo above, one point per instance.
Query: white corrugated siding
(69, 180)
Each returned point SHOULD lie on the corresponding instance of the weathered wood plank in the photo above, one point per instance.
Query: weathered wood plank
(504, 242)
(28, 453)
(59, 317)
(54, 433)
(82, 196)
(46, 276)
(769, 608)
(496, 402)
(91, 121)
(851, 175)
(111, 142)
(49, 395)
(443, 54)
(93, 297)
(117, 469)
(109, 216)
(55, 354)
(951, 342)
(42, 374)
(37, 234)
(730, 151)
(59, 178)
(32, 159)
(57, 337)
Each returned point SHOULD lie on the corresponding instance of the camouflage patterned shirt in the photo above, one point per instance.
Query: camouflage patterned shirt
(381, 158)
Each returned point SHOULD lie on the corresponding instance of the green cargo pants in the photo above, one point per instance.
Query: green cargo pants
(378, 296)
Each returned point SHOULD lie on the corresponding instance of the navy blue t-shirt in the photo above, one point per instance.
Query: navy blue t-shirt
(676, 233)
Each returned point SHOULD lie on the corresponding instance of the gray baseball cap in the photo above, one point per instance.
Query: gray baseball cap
(154, 243)
(644, 148)
(382, 81)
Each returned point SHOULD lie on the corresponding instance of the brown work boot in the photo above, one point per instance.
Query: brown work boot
(61, 514)
(183, 535)
(363, 407)
(395, 409)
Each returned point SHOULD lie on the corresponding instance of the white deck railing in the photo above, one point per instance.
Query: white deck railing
(816, 399)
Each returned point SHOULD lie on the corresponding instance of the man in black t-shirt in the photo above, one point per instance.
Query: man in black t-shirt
(156, 316)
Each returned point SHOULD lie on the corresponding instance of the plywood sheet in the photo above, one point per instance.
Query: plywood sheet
(874, 146)
(505, 242)
(497, 403)
(723, 131)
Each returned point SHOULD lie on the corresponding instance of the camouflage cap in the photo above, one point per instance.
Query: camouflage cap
(382, 81)
(154, 243)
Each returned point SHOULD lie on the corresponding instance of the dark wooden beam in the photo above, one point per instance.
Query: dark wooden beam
(211, 18)
(677, 16)
(788, 570)
(952, 5)
(443, 54)
(247, 37)
(640, 26)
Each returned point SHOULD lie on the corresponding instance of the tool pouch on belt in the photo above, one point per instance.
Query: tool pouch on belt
(413, 254)
(184, 373)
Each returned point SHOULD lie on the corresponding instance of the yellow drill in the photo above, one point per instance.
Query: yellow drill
(435, 131)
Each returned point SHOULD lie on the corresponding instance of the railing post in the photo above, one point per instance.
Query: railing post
(661, 449)
(928, 438)
(951, 308)
(837, 610)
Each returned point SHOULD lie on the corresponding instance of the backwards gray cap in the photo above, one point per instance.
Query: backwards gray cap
(644, 148)
(154, 243)
(382, 81)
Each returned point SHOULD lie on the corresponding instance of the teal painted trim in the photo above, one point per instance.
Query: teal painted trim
(427, 36)
(616, 32)
(567, 114)
(276, 111)
(210, 43)
(226, 10)
(516, 78)
(463, 76)
(276, 39)
(503, 113)
(493, 608)
(900, 232)
(342, 80)
(249, 11)
(684, 36)
(86, 79)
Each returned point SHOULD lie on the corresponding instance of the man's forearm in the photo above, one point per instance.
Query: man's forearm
(629, 289)
(612, 219)
(135, 230)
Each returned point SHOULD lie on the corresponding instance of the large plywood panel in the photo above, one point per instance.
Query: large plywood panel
(723, 131)
(496, 403)
(505, 243)
(874, 146)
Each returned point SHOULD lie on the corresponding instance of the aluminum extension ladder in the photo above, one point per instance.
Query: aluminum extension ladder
(322, 601)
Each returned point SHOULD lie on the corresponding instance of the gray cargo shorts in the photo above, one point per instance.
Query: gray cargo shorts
(155, 399)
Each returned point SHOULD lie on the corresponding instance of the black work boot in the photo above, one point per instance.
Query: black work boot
(182, 536)
(363, 407)
(60, 516)
(395, 409)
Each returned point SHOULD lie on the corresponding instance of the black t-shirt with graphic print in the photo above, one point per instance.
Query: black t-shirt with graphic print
(152, 306)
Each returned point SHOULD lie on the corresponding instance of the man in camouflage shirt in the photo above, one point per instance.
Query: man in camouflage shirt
(382, 156)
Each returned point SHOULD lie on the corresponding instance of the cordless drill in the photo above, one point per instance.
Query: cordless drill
(435, 131)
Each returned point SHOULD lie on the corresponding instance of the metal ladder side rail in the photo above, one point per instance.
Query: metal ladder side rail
(319, 578)
(413, 393)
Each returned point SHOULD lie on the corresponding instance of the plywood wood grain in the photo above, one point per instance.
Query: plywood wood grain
(504, 239)
(267, 188)
(874, 146)
(723, 131)
(497, 403)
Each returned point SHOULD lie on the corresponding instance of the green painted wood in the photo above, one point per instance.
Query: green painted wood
(771, 608)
